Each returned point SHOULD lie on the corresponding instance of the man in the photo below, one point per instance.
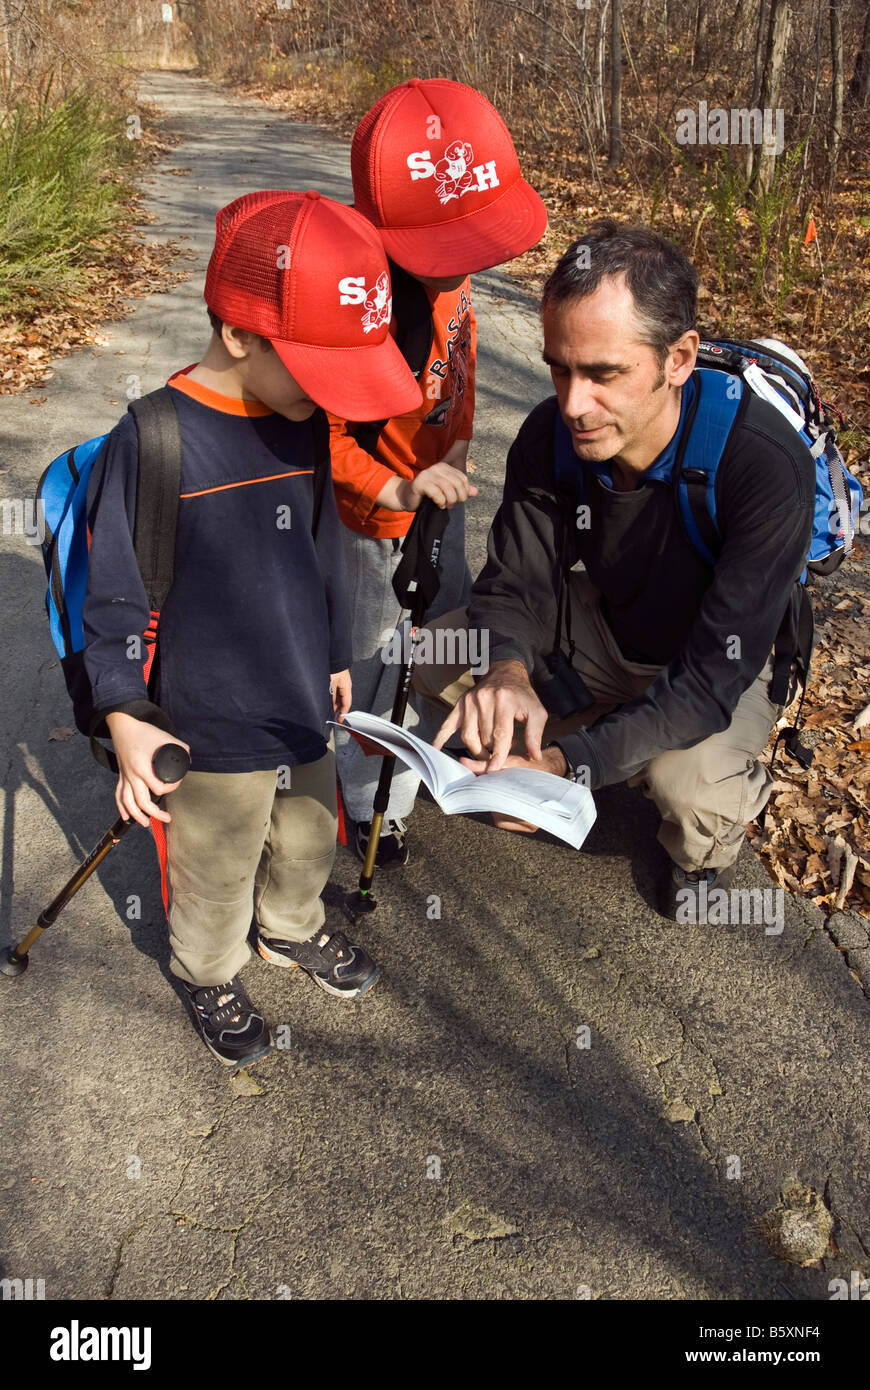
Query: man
(678, 650)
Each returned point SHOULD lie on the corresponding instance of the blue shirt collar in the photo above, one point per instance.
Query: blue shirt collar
(662, 467)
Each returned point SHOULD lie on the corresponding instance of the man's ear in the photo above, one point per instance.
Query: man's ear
(682, 358)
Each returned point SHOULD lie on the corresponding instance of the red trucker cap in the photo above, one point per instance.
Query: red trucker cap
(435, 169)
(311, 276)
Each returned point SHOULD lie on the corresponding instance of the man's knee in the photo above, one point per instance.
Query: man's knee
(709, 779)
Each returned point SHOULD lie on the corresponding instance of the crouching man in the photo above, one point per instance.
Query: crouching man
(665, 659)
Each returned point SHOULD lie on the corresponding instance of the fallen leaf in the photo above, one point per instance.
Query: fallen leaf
(861, 745)
(244, 1085)
(477, 1223)
(679, 1112)
(819, 717)
(61, 734)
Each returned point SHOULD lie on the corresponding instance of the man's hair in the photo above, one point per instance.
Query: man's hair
(663, 282)
(217, 324)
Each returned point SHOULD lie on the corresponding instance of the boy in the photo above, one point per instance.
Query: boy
(256, 622)
(435, 170)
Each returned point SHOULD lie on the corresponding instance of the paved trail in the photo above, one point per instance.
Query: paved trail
(446, 1137)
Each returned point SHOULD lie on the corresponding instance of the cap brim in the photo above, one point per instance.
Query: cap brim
(373, 382)
(480, 239)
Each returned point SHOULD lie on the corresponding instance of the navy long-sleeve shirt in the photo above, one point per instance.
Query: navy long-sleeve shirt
(257, 617)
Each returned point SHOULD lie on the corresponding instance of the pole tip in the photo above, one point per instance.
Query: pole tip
(11, 964)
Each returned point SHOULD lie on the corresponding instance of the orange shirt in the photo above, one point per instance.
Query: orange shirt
(410, 443)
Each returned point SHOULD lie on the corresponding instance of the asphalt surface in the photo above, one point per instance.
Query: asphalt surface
(450, 1136)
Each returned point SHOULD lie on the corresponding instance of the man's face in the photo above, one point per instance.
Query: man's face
(613, 394)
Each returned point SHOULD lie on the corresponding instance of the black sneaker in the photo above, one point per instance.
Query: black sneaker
(329, 958)
(230, 1026)
(681, 890)
(392, 845)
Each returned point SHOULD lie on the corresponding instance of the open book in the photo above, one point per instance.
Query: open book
(563, 808)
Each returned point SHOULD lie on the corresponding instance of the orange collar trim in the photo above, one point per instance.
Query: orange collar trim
(228, 405)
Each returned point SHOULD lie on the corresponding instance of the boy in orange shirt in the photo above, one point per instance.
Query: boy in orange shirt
(435, 170)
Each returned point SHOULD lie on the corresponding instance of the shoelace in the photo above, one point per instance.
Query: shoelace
(229, 1002)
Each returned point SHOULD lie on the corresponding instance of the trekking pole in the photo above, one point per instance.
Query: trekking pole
(417, 579)
(170, 763)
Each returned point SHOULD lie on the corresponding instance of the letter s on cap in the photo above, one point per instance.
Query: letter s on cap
(420, 164)
(352, 289)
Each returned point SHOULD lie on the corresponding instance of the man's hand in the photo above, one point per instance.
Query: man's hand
(341, 689)
(485, 716)
(135, 744)
(552, 760)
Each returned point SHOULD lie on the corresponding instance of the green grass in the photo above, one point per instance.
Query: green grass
(59, 194)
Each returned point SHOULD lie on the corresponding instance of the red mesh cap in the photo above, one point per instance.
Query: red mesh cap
(435, 169)
(311, 276)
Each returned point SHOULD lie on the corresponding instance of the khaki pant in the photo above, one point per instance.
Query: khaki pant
(237, 844)
(706, 794)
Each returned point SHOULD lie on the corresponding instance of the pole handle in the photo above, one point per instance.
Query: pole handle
(170, 762)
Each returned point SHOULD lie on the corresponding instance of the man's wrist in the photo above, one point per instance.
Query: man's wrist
(560, 767)
(497, 672)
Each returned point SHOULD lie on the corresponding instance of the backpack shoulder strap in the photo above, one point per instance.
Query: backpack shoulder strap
(157, 489)
(158, 484)
(320, 425)
(706, 434)
(415, 333)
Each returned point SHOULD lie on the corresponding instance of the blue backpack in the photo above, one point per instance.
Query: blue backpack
(61, 500)
(770, 370)
(773, 371)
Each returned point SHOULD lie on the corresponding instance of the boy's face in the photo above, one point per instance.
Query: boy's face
(264, 376)
(441, 284)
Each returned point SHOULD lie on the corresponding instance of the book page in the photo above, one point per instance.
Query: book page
(437, 770)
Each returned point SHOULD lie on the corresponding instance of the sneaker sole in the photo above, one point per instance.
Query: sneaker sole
(237, 1063)
(276, 958)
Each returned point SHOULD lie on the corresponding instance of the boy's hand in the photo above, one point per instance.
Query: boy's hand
(341, 694)
(135, 744)
(444, 483)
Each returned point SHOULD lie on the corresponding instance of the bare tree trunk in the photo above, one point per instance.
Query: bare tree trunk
(6, 52)
(774, 63)
(699, 51)
(600, 117)
(836, 88)
(760, 40)
(859, 83)
(615, 155)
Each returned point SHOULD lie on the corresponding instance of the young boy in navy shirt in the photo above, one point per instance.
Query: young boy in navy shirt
(254, 636)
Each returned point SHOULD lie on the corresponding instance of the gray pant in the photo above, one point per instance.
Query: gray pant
(238, 843)
(705, 794)
(375, 613)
